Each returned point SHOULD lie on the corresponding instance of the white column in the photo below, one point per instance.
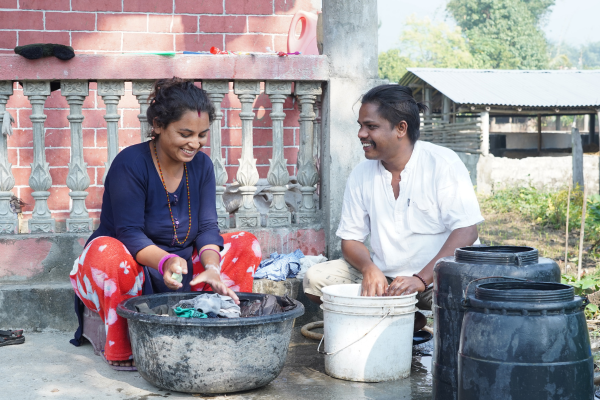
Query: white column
(78, 180)
(9, 223)
(485, 133)
(142, 90)
(247, 175)
(278, 175)
(40, 179)
(216, 91)
(308, 175)
(111, 92)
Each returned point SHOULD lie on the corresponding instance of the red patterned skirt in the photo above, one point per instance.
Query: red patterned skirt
(106, 274)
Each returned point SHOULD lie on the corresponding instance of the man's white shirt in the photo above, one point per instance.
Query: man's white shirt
(436, 197)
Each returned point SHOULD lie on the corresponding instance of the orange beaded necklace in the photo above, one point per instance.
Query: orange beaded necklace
(187, 185)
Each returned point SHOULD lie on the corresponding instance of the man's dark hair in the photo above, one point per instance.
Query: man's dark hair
(171, 98)
(396, 104)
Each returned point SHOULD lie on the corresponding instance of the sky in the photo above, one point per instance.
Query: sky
(572, 21)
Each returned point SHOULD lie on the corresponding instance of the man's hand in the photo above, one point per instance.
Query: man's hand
(405, 285)
(374, 282)
(175, 265)
(212, 277)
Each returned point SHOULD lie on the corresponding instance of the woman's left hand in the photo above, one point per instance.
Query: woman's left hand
(212, 277)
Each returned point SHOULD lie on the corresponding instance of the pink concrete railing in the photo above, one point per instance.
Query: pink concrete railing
(278, 78)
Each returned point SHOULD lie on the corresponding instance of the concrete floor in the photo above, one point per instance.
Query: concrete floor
(47, 366)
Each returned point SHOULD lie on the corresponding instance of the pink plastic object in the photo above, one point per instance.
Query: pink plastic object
(307, 42)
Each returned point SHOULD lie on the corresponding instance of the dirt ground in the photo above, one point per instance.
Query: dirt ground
(514, 229)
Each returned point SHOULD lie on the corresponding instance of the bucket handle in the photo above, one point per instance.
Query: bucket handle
(360, 338)
(465, 301)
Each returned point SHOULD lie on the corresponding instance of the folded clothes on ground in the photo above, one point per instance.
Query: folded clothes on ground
(279, 267)
(222, 306)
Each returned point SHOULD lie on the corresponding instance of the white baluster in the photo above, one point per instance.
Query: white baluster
(9, 222)
(247, 174)
(216, 91)
(308, 175)
(317, 132)
(111, 92)
(142, 90)
(278, 175)
(78, 180)
(40, 179)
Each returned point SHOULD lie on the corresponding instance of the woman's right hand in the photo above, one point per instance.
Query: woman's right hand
(175, 265)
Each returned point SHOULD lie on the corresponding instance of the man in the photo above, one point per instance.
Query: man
(414, 198)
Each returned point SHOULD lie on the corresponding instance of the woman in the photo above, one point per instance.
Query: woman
(159, 219)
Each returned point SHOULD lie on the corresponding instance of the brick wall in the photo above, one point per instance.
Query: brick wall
(108, 26)
(98, 26)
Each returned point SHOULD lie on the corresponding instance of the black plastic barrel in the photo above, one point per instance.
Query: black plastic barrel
(525, 341)
(451, 275)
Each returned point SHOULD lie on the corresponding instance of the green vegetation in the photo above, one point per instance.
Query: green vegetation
(584, 286)
(564, 56)
(425, 44)
(503, 34)
(549, 210)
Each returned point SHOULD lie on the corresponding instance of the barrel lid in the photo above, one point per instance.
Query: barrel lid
(505, 255)
(525, 292)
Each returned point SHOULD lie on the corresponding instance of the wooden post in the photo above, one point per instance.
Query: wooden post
(592, 128)
(577, 151)
(485, 133)
(567, 229)
(539, 129)
(581, 234)
(427, 94)
(598, 111)
(445, 108)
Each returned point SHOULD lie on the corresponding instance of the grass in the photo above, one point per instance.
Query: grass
(529, 217)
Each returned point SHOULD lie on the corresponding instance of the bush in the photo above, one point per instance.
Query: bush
(550, 209)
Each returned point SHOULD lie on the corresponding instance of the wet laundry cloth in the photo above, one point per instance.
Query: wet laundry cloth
(189, 313)
(223, 306)
(267, 306)
(160, 310)
(279, 267)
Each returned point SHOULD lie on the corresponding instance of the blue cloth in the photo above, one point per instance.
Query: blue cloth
(279, 267)
(135, 211)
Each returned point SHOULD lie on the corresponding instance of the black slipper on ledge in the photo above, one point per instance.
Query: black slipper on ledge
(11, 337)
(39, 50)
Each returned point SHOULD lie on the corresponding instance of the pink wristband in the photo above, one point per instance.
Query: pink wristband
(163, 260)
(200, 255)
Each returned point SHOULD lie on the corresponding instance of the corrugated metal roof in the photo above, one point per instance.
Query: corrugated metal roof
(571, 88)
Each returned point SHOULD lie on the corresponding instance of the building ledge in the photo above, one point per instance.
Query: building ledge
(186, 66)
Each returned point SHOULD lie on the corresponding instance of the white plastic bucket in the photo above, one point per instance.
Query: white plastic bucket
(367, 339)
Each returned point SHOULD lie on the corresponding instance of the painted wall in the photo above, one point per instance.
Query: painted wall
(541, 172)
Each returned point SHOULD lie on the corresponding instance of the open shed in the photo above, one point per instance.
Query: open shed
(519, 108)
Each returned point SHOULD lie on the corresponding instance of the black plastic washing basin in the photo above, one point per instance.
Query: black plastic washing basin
(213, 355)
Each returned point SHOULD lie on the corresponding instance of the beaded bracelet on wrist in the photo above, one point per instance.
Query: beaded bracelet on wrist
(422, 280)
